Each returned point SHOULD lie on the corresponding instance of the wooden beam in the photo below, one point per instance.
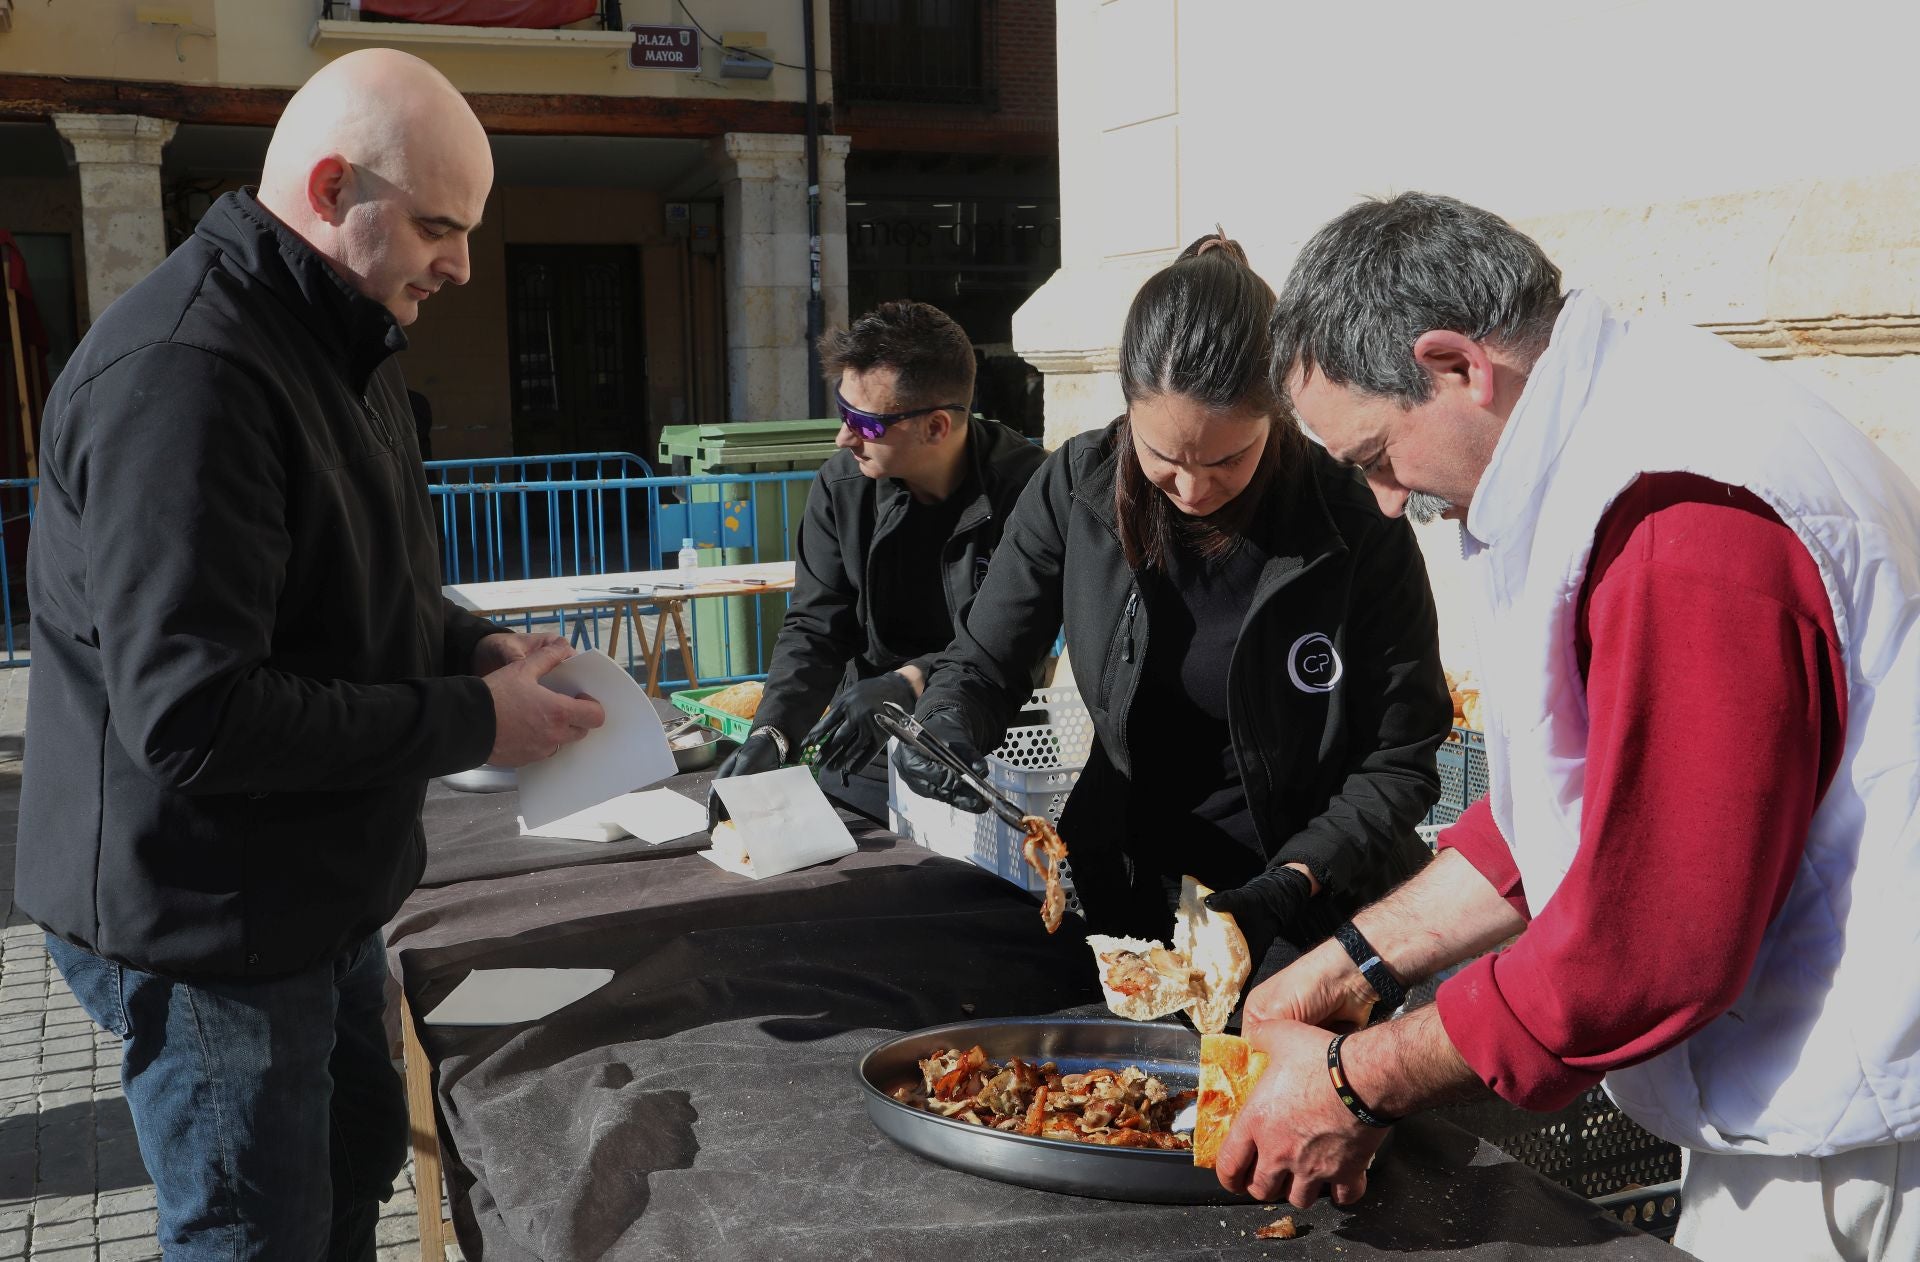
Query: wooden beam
(37, 97)
(423, 1126)
(910, 138)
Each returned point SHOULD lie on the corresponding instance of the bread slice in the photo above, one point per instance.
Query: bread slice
(1143, 980)
(1202, 971)
(1213, 944)
(1229, 1068)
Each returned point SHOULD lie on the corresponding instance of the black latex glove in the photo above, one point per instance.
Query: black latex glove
(846, 734)
(759, 752)
(1277, 899)
(931, 780)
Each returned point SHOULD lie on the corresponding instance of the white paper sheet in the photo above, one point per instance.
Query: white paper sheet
(629, 752)
(781, 822)
(657, 815)
(653, 815)
(588, 825)
(508, 996)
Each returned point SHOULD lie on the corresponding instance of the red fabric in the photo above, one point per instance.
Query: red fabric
(535, 14)
(1716, 696)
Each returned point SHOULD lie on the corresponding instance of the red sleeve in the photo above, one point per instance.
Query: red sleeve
(1716, 720)
(1479, 842)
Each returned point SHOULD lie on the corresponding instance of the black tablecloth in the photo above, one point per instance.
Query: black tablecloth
(474, 836)
(704, 1104)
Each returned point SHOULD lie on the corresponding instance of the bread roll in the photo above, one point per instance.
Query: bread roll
(1201, 972)
(742, 700)
(1143, 980)
(1214, 945)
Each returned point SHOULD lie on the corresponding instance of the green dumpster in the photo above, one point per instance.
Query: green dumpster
(734, 635)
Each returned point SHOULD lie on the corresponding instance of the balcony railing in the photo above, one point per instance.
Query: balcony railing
(607, 13)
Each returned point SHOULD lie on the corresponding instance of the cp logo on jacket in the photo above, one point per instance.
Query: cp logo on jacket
(1312, 664)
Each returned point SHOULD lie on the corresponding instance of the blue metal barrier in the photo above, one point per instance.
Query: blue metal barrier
(573, 467)
(555, 527)
(545, 522)
(482, 546)
(18, 497)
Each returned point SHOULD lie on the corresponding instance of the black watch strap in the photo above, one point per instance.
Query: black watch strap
(1372, 967)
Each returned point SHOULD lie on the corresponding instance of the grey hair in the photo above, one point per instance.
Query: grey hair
(1381, 274)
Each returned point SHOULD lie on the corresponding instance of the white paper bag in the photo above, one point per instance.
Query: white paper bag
(781, 822)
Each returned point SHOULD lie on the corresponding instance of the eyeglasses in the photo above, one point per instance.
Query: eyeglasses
(871, 425)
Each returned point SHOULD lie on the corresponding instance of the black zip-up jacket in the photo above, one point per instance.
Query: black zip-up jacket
(239, 642)
(1336, 697)
(846, 562)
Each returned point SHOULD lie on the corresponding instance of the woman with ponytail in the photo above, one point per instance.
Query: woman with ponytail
(1254, 641)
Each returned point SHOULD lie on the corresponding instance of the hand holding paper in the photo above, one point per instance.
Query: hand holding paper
(532, 722)
(629, 752)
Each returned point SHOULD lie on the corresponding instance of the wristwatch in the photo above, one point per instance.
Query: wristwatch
(779, 738)
(1392, 994)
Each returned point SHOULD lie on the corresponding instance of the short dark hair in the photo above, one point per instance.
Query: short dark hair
(1197, 329)
(1368, 284)
(932, 355)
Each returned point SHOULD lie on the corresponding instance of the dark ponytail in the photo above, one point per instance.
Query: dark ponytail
(1198, 329)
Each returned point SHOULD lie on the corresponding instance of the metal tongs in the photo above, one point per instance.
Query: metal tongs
(897, 722)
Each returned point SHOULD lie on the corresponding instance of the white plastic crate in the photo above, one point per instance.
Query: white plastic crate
(1036, 765)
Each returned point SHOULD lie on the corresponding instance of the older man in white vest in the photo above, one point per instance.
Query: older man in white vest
(1698, 621)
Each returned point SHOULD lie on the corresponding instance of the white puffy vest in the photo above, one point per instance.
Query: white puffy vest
(1821, 1053)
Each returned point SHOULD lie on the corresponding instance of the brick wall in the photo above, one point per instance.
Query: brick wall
(1021, 114)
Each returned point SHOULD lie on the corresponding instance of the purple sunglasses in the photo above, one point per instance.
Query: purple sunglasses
(871, 425)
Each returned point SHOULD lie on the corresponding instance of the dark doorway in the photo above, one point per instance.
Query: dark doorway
(579, 377)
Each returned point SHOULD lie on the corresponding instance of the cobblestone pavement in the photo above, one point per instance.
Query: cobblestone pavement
(72, 1185)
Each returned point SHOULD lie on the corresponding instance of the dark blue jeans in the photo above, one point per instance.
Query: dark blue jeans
(268, 1112)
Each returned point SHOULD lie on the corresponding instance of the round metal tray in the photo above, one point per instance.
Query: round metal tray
(1169, 1052)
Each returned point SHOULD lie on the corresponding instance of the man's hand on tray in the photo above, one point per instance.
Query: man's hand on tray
(1321, 988)
(1294, 1140)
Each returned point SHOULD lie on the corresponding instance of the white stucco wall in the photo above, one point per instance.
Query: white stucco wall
(1753, 168)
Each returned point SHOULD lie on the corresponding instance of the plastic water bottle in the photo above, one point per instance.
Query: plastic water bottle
(689, 555)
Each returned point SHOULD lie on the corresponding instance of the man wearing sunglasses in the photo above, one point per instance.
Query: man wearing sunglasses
(900, 524)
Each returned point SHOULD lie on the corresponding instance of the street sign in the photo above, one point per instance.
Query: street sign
(664, 48)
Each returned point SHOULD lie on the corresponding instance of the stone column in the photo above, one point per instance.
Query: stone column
(763, 185)
(123, 228)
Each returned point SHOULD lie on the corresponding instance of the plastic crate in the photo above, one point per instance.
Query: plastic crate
(1036, 765)
(692, 701)
(1462, 763)
(1590, 1148)
(1654, 1209)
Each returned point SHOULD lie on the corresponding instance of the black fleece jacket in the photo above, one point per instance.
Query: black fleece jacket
(241, 654)
(849, 562)
(1336, 697)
